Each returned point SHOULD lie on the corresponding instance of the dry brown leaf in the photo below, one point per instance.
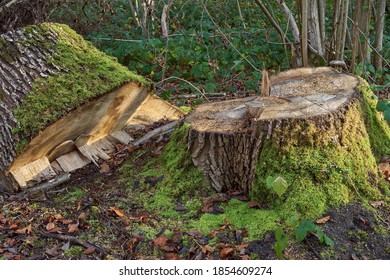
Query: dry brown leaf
(25, 230)
(254, 204)
(354, 257)
(243, 246)
(50, 226)
(160, 241)
(55, 229)
(226, 252)
(89, 250)
(13, 226)
(58, 217)
(207, 249)
(52, 251)
(245, 258)
(377, 203)
(104, 168)
(81, 216)
(1, 216)
(323, 220)
(67, 221)
(171, 256)
(117, 211)
(73, 228)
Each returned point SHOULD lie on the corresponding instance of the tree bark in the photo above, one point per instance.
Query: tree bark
(379, 28)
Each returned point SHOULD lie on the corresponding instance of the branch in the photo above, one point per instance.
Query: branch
(273, 21)
(56, 181)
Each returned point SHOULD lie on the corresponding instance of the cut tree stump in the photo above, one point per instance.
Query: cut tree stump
(64, 104)
(315, 120)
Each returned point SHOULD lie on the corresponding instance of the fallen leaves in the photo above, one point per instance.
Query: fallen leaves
(377, 203)
(384, 168)
(25, 230)
(89, 250)
(323, 220)
(117, 211)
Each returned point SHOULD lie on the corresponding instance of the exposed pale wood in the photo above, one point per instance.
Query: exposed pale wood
(154, 109)
(265, 86)
(33, 172)
(62, 149)
(122, 137)
(94, 151)
(72, 161)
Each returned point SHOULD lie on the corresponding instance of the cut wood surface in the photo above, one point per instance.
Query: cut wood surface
(63, 104)
(306, 106)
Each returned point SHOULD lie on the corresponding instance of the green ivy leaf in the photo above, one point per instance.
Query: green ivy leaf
(280, 186)
(328, 241)
(305, 226)
(383, 105)
(270, 181)
(386, 114)
(281, 242)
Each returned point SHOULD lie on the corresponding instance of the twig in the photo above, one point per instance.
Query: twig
(230, 43)
(74, 240)
(56, 181)
(209, 95)
(183, 80)
(154, 133)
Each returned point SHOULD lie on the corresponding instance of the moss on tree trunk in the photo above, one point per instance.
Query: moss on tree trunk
(326, 149)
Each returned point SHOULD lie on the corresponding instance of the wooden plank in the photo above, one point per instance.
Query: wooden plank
(72, 161)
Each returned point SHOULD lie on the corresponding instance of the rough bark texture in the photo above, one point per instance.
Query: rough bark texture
(63, 104)
(228, 140)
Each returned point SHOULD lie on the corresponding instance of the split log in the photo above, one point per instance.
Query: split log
(64, 104)
(318, 111)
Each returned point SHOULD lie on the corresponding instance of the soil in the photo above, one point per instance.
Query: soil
(94, 217)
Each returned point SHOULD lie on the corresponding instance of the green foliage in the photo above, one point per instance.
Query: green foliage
(277, 184)
(305, 227)
(384, 106)
(200, 48)
(281, 242)
(301, 230)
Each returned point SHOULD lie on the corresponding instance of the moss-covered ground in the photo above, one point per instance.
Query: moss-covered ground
(157, 205)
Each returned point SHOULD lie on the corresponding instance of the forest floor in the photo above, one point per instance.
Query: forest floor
(96, 215)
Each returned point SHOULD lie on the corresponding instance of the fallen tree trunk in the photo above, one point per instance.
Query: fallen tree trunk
(64, 104)
(315, 122)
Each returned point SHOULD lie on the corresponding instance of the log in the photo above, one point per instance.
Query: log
(64, 104)
(315, 121)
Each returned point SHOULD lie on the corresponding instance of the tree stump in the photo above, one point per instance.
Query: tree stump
(314, 122)
(64, 104)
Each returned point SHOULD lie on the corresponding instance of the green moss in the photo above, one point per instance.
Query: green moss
(379, 130)
(85, 73)
(182, 182)
(256, 221)
(73, 251)
(321, 168)
(73, 195)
